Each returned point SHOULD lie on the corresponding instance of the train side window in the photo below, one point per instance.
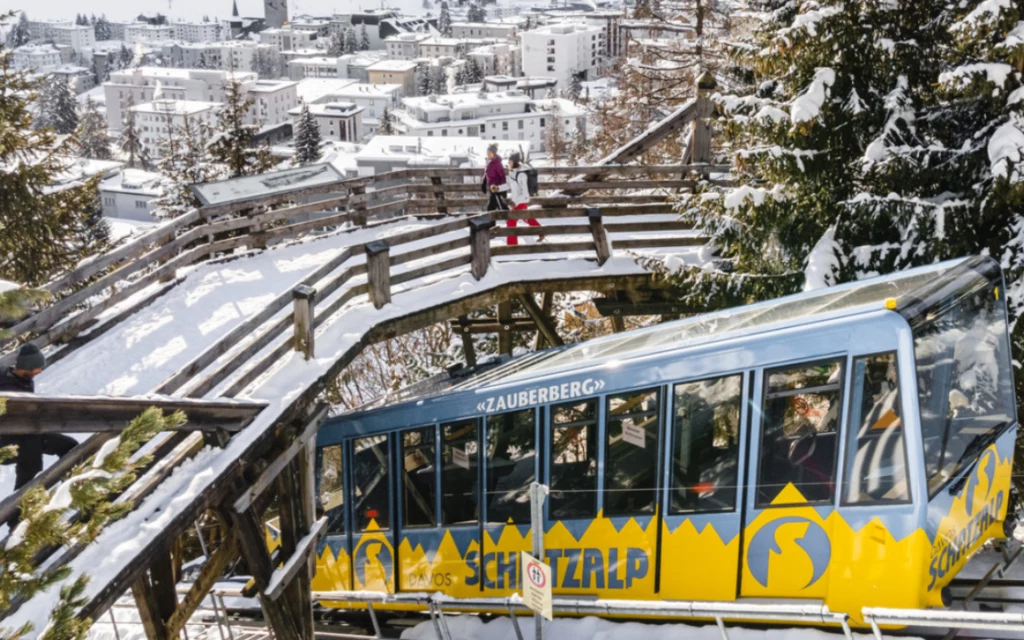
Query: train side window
(419, 480)
(705, 444)
(458, 475)
(370, 482)
(876, 458)
(631, 453)
(573, 461)
(799, 429)
(332, 493)
(510, 464)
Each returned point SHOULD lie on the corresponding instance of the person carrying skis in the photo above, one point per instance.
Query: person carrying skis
(518, 189)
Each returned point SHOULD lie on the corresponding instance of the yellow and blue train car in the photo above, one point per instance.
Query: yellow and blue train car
(850, 446)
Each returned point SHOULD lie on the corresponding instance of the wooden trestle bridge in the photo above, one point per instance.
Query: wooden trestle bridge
(231, 390)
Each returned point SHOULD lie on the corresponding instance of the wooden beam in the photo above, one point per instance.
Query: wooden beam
(163, 581)
(505, 327)
(212, 570)
(283, 576)
(621, 308)
(492, 325)
(36, 414)
(378, 272)
(544, 323)
(546, 305)
(304, 298)
(597, 230)
(467, 341)
(149, 609)
(480, 244)
(274, 469)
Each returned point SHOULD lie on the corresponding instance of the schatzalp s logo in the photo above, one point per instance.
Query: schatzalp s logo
(814, 542)
(373, 555)
(541, 395)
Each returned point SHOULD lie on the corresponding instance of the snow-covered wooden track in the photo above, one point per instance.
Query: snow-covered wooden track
(251, 306)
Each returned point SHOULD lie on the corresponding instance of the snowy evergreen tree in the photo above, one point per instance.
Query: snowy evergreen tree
(555, 139)
(438, 85)
(444, 21)
(125, 57)
(184, 160)
(423, 81)
(266, 63)
(474, 73)
(349, 41)
(475, 13)
(364, 38)
(575, 88)
(387, 123)
(201, 61)
(19, 34)
(336, 44)
(130, 141)
(102, 29)
(92, 133)
(38, 224)
(307, 137)
(61, 108)
(461, 76)
(233, 142)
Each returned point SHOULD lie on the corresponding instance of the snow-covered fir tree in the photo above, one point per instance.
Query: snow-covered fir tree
(423, 82)
(266, 63)
(130, 142)
(307, 137)
(19, 33)
(444, 21)
(92, 135)
(387, 123)
(475, 13)
(60, 109)
(233, 143)
(39, 226)
(103, 29)
(364, 38)
(349, 42)
(556, 140)
(125, 57)
(575, 88)
(184, 161)
(336, 44)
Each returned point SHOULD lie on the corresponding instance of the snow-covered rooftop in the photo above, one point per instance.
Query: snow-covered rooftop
(134, 181)
(399, 66)
(313, 89)
(436, 151)
(270, 86)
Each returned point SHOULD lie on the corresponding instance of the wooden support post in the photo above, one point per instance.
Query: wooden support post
(304, 300)
(149, 609)
(164, 581)
(597, 230)
(438, 194)
(699, 151)
(505, 328)
(357, 204)
(480, 244)
(251, 540)
(208, 576)
(295, 524)
(544, 323)
(549, 300)
(378, 272)
(618, 322)
(467, 341)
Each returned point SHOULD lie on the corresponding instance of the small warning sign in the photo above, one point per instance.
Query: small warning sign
(634, 435)
(536, 585)
(460, 457)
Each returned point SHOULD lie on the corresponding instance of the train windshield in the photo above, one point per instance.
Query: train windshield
(962, 361)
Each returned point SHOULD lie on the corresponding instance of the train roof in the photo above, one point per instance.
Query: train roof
(805, 308)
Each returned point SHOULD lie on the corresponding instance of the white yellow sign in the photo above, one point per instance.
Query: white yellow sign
(536, 585)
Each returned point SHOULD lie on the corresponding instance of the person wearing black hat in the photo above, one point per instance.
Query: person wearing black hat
(20, 379)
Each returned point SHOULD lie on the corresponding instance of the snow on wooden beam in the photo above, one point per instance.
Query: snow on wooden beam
(282, 576)
(274, 469)
(37, 414)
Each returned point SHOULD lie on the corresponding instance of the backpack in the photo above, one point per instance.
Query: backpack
(532, 179)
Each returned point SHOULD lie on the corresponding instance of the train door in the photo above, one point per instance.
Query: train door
(370, 515)
(510, 466)
(334, 556)
(440, 529)
(700, 543)
(791, 486)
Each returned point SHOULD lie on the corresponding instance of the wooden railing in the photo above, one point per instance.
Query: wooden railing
(153, 259)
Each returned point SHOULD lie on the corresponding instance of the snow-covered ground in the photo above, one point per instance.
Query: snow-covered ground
(590, 628)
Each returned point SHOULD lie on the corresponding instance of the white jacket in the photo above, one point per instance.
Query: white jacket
(517, 187)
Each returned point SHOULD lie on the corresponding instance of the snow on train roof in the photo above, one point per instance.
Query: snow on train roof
(838, 301)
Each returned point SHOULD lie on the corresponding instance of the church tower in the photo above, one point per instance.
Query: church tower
(275, 13)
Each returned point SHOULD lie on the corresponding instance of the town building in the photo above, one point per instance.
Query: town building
(322, 26)
(80, 79)
(563, 50)
(36, 57)
(383, 154)
(144, 33)
(497, 59)
(380, 25)
(145, 84)
(341, 121)
(318, 67)
(404, 46)
(129, 194)
(498, 30)
(78, 37)
(505, 116)
(288, 39)
(198, 31)
(400, 72)
(438, 47)
(161, 119)
(272, 101)
(355, 66)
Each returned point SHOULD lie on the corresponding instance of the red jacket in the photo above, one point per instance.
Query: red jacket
(495, 172)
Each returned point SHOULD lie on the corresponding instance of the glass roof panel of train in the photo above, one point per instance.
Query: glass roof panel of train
(747, 319)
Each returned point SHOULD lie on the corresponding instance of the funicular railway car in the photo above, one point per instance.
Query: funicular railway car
(849, 446)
